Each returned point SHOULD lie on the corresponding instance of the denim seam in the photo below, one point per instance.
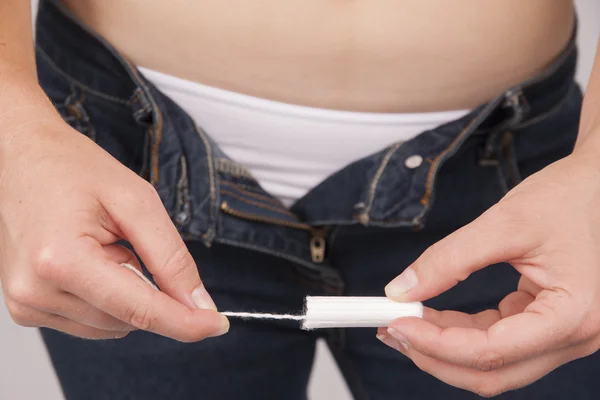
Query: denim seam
(238, 185)
(377, 177)
(250, 216)
(265, 250)
(157, 125)
(210, 233)
(436, 161)
(226, 166)
(74, 81)
(251, 194)
(253, 203)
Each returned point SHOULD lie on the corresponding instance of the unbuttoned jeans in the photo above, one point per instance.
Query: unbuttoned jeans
(350, 235)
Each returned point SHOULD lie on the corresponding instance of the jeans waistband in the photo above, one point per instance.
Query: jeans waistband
(211, 197)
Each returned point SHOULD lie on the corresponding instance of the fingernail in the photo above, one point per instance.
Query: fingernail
(224, 329)
(403, 341)
(389, 342)
(202, 299)
(402, 284)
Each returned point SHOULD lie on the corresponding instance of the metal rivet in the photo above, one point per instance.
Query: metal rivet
(413, 162)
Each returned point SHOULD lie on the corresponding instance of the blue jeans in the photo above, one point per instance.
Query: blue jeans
(350, 235)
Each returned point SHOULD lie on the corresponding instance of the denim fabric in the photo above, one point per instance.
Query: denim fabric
(349, 235)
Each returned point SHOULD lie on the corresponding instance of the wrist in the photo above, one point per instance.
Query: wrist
(24, 109)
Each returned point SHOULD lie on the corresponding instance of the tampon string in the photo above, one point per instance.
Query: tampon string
(249, 315)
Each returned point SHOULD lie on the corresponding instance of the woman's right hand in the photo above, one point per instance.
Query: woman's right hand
(64, 202)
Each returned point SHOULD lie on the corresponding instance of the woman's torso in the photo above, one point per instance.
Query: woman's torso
(361, 55)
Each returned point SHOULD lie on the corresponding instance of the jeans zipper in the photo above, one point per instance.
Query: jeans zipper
(318, 235)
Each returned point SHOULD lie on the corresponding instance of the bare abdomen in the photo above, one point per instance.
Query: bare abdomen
(362, 55)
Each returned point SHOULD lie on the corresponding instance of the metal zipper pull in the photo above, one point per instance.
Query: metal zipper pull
(317, 246)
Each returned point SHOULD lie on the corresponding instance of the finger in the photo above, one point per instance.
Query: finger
(30, 317)
(492, 383)
(515, 303)
(121, 255)
(527, 286)
(537, 330)
(73, 308)
(447, 319)
(144, 222)
(115, 290)
(487, 240)
(127, 259)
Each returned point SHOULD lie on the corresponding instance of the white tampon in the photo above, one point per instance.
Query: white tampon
(332, 311)
(355, 312)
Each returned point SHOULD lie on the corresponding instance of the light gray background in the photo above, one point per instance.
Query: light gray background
(25, 370)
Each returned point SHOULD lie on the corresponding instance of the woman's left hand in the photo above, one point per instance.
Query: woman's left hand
(548, 229)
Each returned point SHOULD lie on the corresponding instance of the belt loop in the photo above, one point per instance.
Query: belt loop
(516, 101)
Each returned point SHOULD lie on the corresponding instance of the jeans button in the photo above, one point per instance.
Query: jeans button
(413, 161)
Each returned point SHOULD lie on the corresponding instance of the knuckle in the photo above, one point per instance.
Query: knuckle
(489, 361)
(20, 291)
(48, 265)
(139, 316)
(19, 314)
(140, 197)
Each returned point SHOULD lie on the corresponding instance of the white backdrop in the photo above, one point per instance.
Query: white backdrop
(25, 370)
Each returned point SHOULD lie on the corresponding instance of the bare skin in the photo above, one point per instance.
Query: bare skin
(382, 56)
(392, 56)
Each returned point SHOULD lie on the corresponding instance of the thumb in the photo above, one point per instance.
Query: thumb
(144, 222)
(485, 241)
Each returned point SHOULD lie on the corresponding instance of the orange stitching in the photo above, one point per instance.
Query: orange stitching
(265, 206)
(378, 174)
(428, 183)
(157, 125)
(249, 193)
(155, 146)
(210, 233)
